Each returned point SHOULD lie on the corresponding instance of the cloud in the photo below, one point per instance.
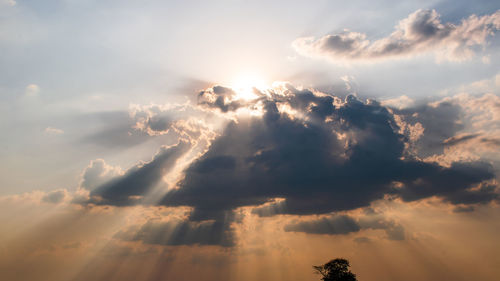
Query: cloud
(373, 220)
(485, 192)
(490, 85)
(339, 224)
(305, 153)
(219, 97)
(55, 196)
(463, 209)
(459, 138)
(153, 119)
(184, 120)
(181, 232)
(320, 154)
(437, 122)
(130, 187)
(35, 197)
(421, 32)
(98, 173)
(458, 128)
(399, 102)
(345, 224)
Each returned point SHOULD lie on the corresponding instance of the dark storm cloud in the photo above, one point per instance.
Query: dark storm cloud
(178, 232)
(128, 188)
(422, 31)
(333, 156)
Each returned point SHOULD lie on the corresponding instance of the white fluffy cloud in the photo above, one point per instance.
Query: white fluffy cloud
(421, 32)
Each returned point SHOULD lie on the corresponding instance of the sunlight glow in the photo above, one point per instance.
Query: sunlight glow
(244, 85)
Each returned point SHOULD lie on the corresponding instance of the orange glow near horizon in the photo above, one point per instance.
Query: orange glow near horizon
(86, 242)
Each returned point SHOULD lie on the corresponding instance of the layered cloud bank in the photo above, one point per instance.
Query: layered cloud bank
(421, 32)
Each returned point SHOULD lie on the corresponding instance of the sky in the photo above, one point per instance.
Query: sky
(249, 140)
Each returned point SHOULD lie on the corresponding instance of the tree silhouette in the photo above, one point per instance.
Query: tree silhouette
(335, 270)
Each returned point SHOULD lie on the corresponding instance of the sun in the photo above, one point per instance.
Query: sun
(244, 85)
